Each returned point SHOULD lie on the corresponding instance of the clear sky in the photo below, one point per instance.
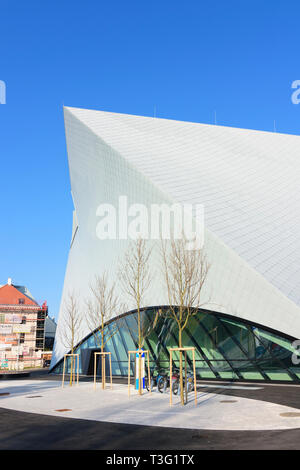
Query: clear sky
(186, 58)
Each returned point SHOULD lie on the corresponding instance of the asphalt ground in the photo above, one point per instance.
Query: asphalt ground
(28, 431)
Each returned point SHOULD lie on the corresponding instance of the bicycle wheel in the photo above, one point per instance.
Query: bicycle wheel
(151, 384)
(175, 387)
(161, 384)
(190, 385)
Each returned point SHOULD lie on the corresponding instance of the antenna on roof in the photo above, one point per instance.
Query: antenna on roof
(215, 114)
(154, 113)
(274, 125)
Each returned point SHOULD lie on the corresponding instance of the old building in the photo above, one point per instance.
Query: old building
(21, 328)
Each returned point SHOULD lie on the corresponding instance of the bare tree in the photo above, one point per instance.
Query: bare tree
(185, 273)
(135, 278)
(70, 333)
(101, 307)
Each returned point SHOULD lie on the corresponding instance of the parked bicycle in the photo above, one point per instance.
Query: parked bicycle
(158, 378)
(188, 382)
(164, 380)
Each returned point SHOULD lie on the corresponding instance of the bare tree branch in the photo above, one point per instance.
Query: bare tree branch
(70, 332)
(102, 305)
(185, 273)
(135, 279)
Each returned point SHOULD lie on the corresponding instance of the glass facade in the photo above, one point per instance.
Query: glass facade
(227, 348)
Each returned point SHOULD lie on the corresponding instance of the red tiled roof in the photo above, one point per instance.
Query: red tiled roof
(9, 295)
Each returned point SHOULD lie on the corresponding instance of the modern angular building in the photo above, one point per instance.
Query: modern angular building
(248, 182)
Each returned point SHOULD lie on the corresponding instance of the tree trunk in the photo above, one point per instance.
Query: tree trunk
(181, 369)
(71, 371)
(102, 357)
(140, 357)
(103, 370)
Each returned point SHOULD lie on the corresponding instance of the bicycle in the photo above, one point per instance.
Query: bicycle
(163, 381)
(188, 382)
(160, 380)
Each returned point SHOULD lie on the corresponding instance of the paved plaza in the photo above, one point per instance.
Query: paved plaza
(214, 410)
(228, 416)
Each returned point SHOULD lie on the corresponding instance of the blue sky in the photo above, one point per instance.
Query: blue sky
(187, 59)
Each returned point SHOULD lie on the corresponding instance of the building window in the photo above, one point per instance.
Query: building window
(226, 348)
(21, 301)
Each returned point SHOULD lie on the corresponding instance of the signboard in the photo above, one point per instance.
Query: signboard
(5, 329)
(13, 318)
(21, 328)
(11, 339)
(142, 356)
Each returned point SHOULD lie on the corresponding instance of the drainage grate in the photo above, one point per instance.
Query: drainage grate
(228, 401)
(64, 409)
(290, 414)
(4, 394)
(35, 396)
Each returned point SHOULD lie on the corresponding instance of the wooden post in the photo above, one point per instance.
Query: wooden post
(71, 375)
(140, 352)
(103, 373)
(149, 379)
(110, 370)
(102, 354)
(195, 385)
(78, 369)
(63, 377)
(95, 370)
(129, 373)
(185, 381)
(140, 373)
(75, 361)
(194, 369)
(171, 352)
